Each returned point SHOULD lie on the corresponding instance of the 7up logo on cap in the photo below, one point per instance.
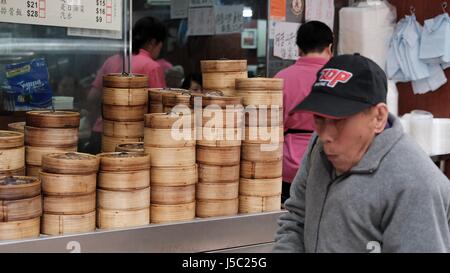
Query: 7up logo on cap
(331, 77)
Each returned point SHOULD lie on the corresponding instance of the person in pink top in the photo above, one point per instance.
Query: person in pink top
(314, 40)
(149, 35)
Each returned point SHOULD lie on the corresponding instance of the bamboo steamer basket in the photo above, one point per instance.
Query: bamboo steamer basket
(155, 95)
(53, 224)
(155, 108)
(130, 180)
(257, 204)
(257, 83)
(220, 137)
(123, 200)
(217, 191)
(69, 204)
(171, 100)
(125, 96)
(19, 187)
(260, 97)
(112, 219)
(169, 137)
(215, 208)
(221, 74)
(22, 209)
(34, 155)
(260, 91)
(223, 156)
(68, 184)
(51, 137)
(223, 65)
(124, 161)
(171, 213)
(109, 144)
(117, 80)
(124, 113)
(11, 139)
(217, 174)
(169, 120)
(268, 117)
(130, 129)
(261, 169)
(17, 126)
(53, 119)
(12, 159)
(33, 171)
(222, 118)
(70, 163)
(18, 172)
(216, 98)
(173, 176)
(171, 157)
(172, 195)
(263, 135)
(137, 147)
(257, 152)
(260, 187)
(18, 230)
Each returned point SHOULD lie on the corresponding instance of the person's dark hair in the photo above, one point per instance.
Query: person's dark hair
(314, 37)
(146, 29)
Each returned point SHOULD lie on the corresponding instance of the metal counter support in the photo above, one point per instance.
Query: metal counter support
(201, 235)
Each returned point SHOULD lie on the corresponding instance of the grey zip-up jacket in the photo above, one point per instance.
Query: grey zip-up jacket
(394, 200)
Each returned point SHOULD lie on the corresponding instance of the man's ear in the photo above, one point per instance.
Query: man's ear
(381, 113)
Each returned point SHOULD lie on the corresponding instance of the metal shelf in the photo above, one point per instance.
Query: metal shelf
(200, 235)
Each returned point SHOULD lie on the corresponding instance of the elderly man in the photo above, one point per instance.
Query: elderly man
(364, 186)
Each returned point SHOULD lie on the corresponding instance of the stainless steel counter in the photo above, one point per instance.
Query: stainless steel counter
(242, 233)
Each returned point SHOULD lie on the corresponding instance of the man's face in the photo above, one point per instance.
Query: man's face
(345, 141)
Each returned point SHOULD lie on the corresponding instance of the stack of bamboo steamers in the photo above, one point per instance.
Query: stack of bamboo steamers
(222, 74)
(124, 103)
(12, 153)
(49, 132)
(261, 164)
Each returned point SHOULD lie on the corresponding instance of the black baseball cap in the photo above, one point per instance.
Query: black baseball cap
(346, 85)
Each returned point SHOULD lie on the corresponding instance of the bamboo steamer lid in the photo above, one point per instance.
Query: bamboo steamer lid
(173, 99)
(260, 187)
(133, 129)
(171, 157)
(53, 119)
(19, 187)
(18, 172)
(53, 224)
(171, 213)
(217, 174)
(70, 163)
(217, 191)
(259, 98)
(173, 176)
(169, 120)
(217, 98)
(220, 137)
(11, 139)
(117, 80)
(262, 169)
(128, 180)
(69, 204)
(172, 195)
(112, 219)
(18, 230)
(124, 113)
(34, 154)
(258, 152)
(124, 161)
(123, 200)
(125, 96)
(215, 208)
(257, 204)
(22, 209)
(51, 137)
(222, 118)
(17, 126)
(223, 156)
(109, 144)
(68, 184)
(263, 135)
(258, 83)
(137, 147)
(12, 159)
(259, 117)
(170, 138)
(223, 65)
(33, 170)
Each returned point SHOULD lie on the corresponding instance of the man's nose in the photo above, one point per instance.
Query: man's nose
(326, 132)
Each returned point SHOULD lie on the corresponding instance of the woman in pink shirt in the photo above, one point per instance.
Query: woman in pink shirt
(314, 40)
(149, 35)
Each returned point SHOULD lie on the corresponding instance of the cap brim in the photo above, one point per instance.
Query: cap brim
(330, 106)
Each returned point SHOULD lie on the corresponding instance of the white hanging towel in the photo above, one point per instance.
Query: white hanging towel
(435, 41)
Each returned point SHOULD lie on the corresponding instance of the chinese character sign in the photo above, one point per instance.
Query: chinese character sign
(229, 19)
(284, 44)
